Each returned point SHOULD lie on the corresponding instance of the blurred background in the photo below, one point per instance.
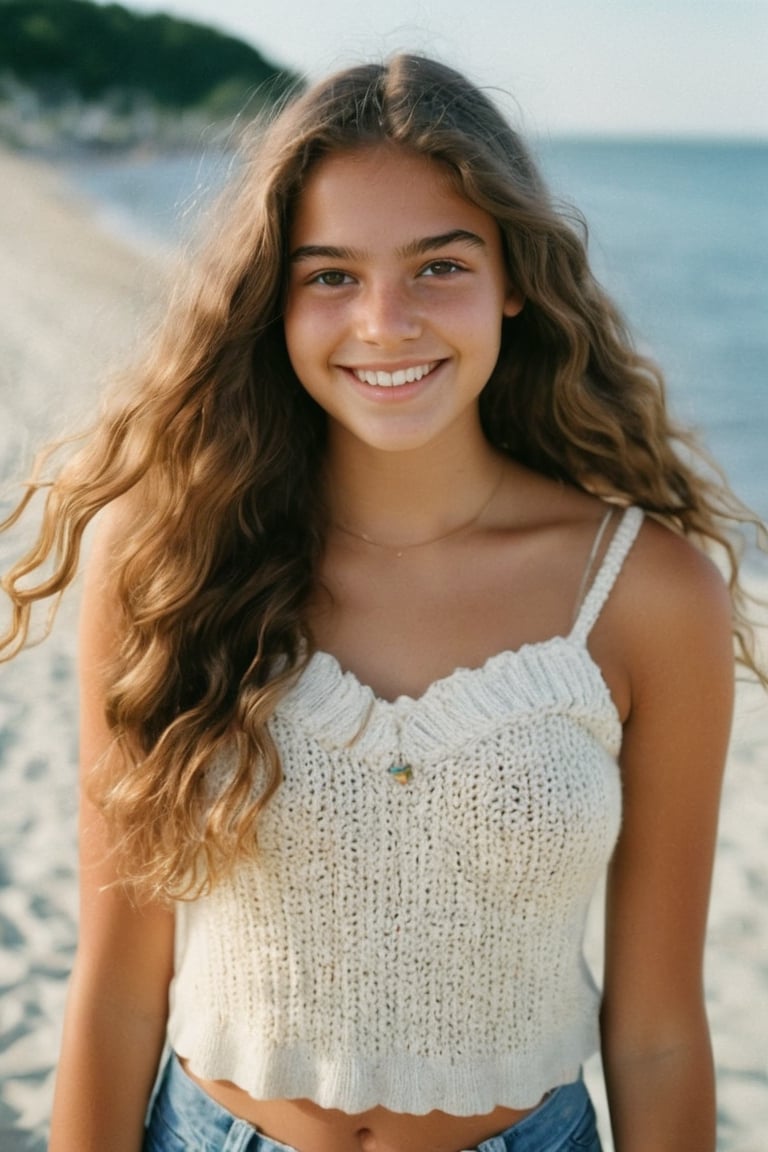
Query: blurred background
(117, 124)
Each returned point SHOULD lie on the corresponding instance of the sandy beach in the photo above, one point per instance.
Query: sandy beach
(72, 302)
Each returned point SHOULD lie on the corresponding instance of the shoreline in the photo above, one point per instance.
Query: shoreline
(151, 201)
(73, 298)
(73, 301)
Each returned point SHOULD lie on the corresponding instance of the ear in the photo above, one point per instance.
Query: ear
(513, 303)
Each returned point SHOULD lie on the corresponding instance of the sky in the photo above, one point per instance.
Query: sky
(641, 67)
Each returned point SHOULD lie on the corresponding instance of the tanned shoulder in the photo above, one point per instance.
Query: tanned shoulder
(672, 611)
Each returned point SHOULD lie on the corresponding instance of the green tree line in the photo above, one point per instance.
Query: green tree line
(92, 50)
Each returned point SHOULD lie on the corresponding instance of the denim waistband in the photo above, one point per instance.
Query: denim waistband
(182, 1116)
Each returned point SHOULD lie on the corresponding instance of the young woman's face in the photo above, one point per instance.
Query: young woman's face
(396, 292)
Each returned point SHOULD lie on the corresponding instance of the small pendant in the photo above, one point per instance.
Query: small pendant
(403, 773)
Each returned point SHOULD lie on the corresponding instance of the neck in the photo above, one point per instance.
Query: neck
(403, 498)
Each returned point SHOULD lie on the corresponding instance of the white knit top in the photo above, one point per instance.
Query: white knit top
(418, 945)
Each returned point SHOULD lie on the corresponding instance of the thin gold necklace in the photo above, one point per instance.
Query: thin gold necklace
(400, 549)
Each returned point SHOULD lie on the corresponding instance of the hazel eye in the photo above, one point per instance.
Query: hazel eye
(441, 268)
(331, 278)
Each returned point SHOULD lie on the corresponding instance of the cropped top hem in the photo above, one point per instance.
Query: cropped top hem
(402, 1082)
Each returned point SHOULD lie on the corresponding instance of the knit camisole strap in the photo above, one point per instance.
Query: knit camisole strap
(592, 605)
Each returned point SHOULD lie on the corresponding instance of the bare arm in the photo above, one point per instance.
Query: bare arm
(117, 1004)
(679, 659)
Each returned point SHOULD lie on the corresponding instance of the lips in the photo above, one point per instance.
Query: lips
(380, 379)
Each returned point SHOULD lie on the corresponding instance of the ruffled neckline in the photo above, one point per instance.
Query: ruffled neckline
(554, 675)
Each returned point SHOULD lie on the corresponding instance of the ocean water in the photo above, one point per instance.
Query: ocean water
(678, 234)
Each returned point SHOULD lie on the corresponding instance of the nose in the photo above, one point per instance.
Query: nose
(387, 315)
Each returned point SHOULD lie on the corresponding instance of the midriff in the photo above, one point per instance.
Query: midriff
(305, 1126)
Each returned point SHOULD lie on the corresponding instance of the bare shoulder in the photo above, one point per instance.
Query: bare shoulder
(100, 608)
(671, 613)
(670, 579)
(109, 530)
(666, 582)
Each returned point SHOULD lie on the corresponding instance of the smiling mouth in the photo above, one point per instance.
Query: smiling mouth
(395, 379)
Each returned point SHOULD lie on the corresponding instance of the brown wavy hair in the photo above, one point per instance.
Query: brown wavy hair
(219, 450)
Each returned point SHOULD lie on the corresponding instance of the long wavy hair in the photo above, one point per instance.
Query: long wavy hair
(219, 449)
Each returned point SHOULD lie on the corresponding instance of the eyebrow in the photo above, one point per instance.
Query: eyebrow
(418, 247)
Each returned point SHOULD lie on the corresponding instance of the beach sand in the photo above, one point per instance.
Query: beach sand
(73, 299)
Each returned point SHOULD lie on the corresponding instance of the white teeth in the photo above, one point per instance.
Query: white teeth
(394, 379)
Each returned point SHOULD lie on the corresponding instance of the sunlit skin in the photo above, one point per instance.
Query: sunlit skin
(392, 271)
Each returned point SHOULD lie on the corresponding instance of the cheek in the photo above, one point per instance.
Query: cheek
(308, 330)
(478, 327)
(308, 351)
(299, 338)
(291, 322)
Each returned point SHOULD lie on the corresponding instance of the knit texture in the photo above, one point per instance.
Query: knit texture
(417, 946)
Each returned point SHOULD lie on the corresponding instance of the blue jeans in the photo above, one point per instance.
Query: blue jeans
(184, 1119)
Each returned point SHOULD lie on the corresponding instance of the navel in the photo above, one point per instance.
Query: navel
(366, 1140)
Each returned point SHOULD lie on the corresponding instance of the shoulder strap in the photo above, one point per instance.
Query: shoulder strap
(592, 605)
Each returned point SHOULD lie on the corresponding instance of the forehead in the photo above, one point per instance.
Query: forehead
(382, 195)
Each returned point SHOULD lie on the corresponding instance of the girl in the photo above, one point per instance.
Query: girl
(382, 667)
